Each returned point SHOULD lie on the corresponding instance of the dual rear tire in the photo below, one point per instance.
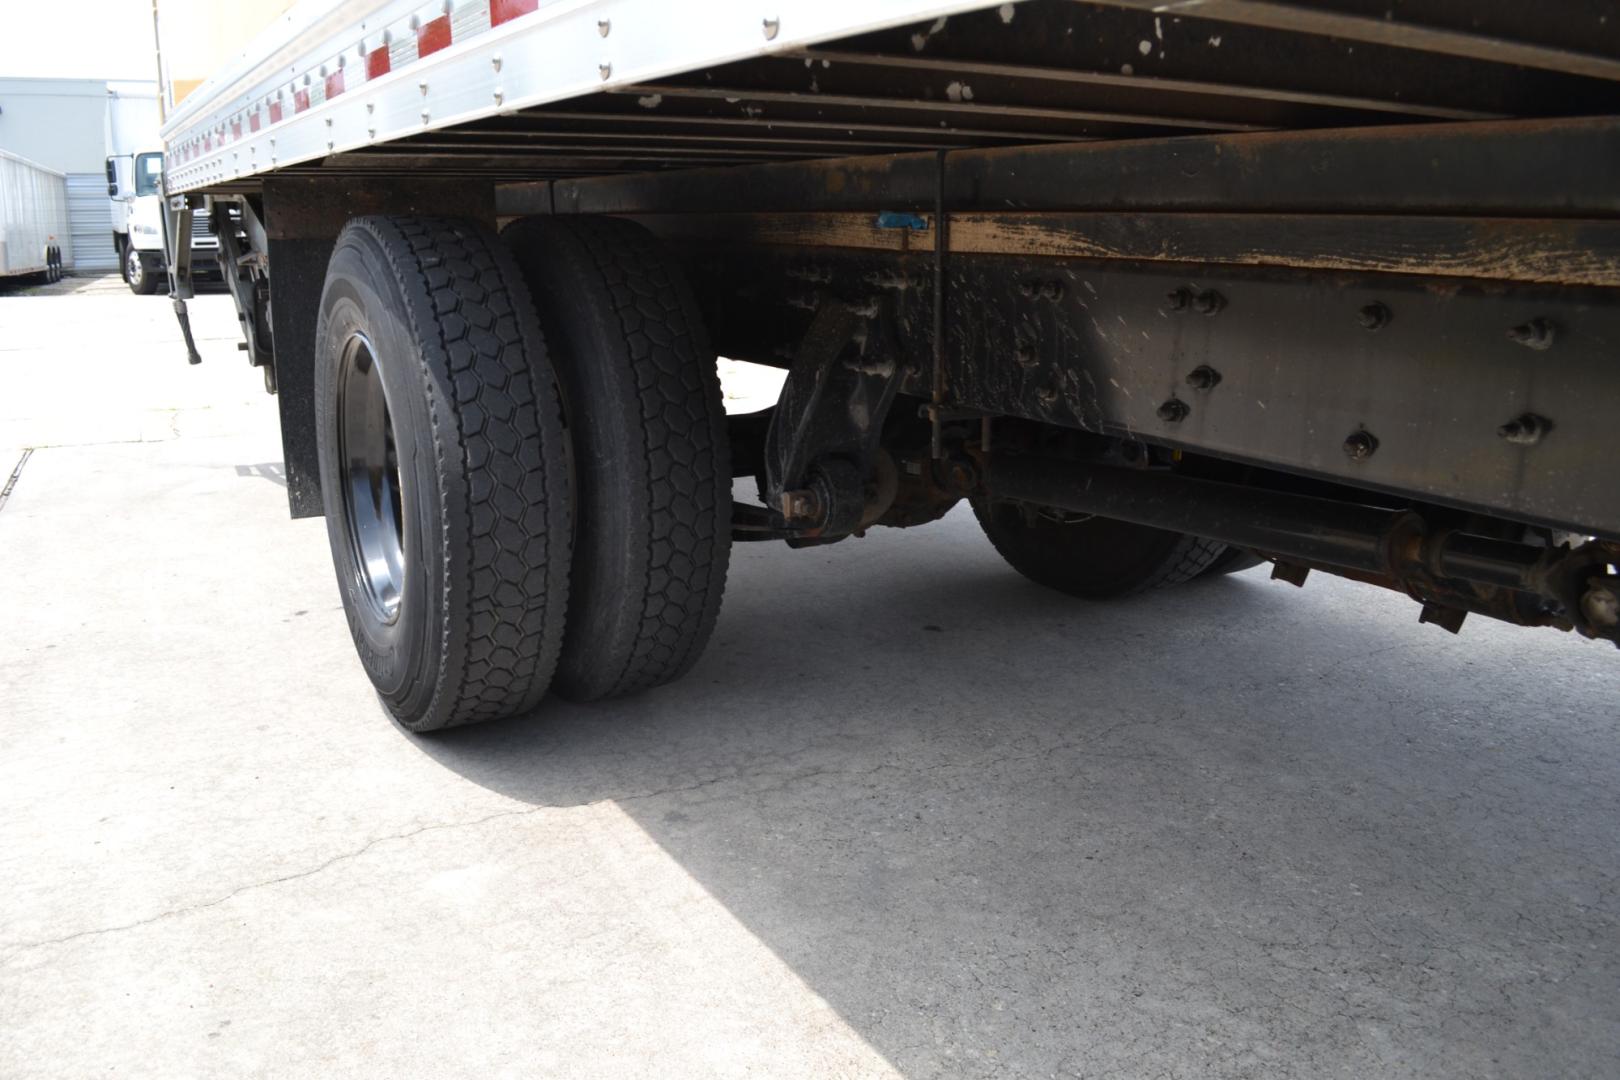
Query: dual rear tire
(524, 468)
(523, 463)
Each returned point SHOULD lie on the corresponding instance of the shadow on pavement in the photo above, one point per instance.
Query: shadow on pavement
(1005, 832)
(273, 471)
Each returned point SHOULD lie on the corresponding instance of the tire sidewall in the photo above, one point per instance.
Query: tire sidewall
(401, 657)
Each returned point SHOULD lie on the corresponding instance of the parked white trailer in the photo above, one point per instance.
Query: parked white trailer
(33, 219)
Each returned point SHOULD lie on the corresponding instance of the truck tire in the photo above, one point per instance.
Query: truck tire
(652, 477)
(1096, 558)
(141, 278)
(444, 469)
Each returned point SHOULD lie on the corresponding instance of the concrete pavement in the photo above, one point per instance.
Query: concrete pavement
(910, 815)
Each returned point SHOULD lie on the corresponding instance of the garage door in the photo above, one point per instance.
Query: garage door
(90, 222)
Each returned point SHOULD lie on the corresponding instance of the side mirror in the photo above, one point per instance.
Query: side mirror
(112, 178)
(112, 189)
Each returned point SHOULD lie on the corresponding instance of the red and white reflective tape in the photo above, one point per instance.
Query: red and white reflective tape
(432, 28)
(399, 67)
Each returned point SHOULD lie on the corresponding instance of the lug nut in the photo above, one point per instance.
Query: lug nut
(1047, 396)
(1024, 353)
(1208, 302)
(1374, 316)
(1526, 430)
(1536, 334)
(1173, 411)
(1178, 300)
(1203, 377)
(1360, 445)
(1051, 290)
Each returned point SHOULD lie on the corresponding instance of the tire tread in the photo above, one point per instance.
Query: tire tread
(682, 478)
(487, 423)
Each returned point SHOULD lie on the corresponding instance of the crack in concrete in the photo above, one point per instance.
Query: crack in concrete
(28, 946)
(16, 949)
(973, 764)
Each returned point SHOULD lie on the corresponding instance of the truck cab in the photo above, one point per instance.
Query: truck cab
(135, 186)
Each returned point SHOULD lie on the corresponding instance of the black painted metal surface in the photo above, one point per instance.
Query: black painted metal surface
(1403, 385)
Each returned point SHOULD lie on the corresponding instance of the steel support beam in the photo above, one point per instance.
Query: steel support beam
(1527, 583)
(1503, 249)
(1559, 168)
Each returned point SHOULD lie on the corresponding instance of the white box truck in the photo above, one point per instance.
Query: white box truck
(34, 238)
(1161, 289)
(135, 186)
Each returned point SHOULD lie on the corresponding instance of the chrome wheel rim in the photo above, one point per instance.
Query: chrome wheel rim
(372, 498)
(132, 266)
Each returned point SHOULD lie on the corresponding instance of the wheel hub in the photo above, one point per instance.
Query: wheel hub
(372, 503)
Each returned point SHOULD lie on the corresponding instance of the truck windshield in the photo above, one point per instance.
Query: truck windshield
(148, 173)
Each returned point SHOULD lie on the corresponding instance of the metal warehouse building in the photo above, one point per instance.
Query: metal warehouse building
(64, 124)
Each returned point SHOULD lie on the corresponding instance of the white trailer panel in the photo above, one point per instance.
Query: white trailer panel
(33, 216)
(330, 76)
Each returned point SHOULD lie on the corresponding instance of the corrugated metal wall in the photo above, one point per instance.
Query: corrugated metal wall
(90, 220)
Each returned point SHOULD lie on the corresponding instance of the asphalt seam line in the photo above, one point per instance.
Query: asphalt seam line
(5, 493)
